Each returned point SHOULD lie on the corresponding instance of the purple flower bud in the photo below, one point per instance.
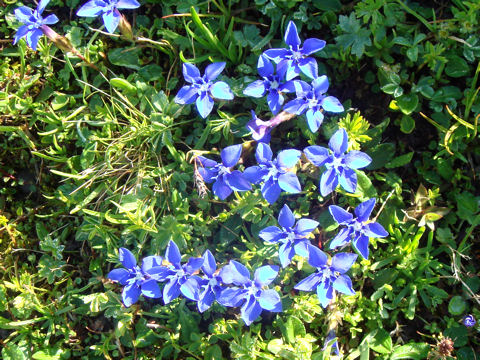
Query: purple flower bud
(469, 321)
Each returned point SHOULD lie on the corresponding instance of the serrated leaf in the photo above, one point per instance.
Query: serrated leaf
(354, 36)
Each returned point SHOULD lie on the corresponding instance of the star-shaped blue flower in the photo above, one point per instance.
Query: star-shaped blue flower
(33, 23)
(260, 129)
(339, 166)
(328, 278)
(312, 100)
(176, 274)
(225, 180)
(203, 89)
(253, 296)
(357, 230)
(207, 288)
(295, 58)
(137, 280)
(293, 237)
(273, 84)
(108, 9)
(274, 174)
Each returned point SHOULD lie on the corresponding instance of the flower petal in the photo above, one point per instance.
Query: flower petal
(130, 294)
(348, 180)
(254, 174)
(213, 70)
(316, 257)
(271, 191)
(291, 36)
(309, 283)
(264, 275)
(91, 8)
(255, 89)
(312, 45)
(221, 189)
(340, 215)
(209, 264)
(151, 289)
(332, 104)
(305, 226)
(231, 297)
(339, 142)
(296, 106)
(288, 158)
(235, 273)
(289, 182)
(32, 38)
(302, 247)
(342, 262)
(150, 262)
(237, 182)
(325, 293)
(23, 14)
(277, 54)
(361, 244)
(343, 237)
(356, 159)
(263, 154)
(221, 90)
(328, 182)
(190, 72)
(317, 155)
(343, 284)
(309, 67)
(191, 288)
(172, 254)
(264, 66)
(50, 19)
(119, 275)
(21, 32)
(193, 264)
(186, 95)
(270, 300)
(41, 6)
(127, 4)
(271, 234)
(375, 230)
(320, 86)
(285, 253)
(251, 310)
(204, 105)
(205, 300)
(364, 210)
(111, 19)
(314, 119)
(171, 290)
(231, 154)
(274, 101)
(126, 258)
(286, 218)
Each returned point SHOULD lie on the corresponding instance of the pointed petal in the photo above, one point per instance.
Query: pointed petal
(264, 275)
(289, 182)
(254, 174)
(130, 294)
(231, 154)
(190, 72)
(312, 45)
(191, 288)
(237, 182)
(221, 90)
(251, 310)
(364, 210)
(91, 8)
(357, 159)
(309, 67)
(150, 262)
(271, 191)
(209, 263)
(255, 89)
(172, 254)
(193, 264)
(264, 66)
(127, 4)
(285, 217)
(151, 289)
(41, 6)
(50, 19)
(328, 182)
(296, 106)
(263, 154)
(314, 120)
(235, 273)
(375, 230)
(316, 257)
(23, 14)
(21, 32)
(111, 19)
(221, 189)
(231, 297)
(305, 226)
(274, 101)
(277, 54)
(332, 104)
(343, 284)
(348, 180)
(206, 300)
(126, 258)
(309, 283)
(361, 244)
(339, 142)
(291, 36)
(271, 234)
(213, 70)
(320, 86)
(302, 248)
(161, 273)
(342, 262)
(288, 158)
(293, 70)
(32, 38)
(343, 237)
(270, 300)
(171, 290)
(340, 215)
(204, 105)
(285, 253)
(323, 291)
(317, 155)
(205, 161)
(186, 95)
(119, 275)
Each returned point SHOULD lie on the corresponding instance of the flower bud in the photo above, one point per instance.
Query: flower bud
(125, 28)
(60, 41)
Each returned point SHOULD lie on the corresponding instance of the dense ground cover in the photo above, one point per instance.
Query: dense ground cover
(96, 155)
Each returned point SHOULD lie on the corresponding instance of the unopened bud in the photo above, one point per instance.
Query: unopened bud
(60, 41)
(125, 28)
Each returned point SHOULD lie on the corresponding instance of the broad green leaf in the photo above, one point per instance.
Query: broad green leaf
(400, 161)
(380, 341)
(414, 351)
(407, 124)
(407, 103)
(456, 305)
(122, 84)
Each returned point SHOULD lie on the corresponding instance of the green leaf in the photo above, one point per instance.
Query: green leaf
(457, 305)
(380, 341)
(407, 124)
(415, 351)
(354, 36)
(122, 84)
(400, 161)
(328, 5)
(407, 103)
(365, 189)
(13, 352)
(456, 67)
(295, 328)
(127, 57)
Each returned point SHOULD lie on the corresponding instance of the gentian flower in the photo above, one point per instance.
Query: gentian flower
(225, 180)
(251, 295)
(273, 84)
(295, 58)
(469, 321)
(203, 89)
(328, 278)
(177, 274)
(137, 280)
(260, 129)
(207, 288)
(339, 166)
(108, 9)
(34, 24)
(312, 99)
(330, 337)
(358, 230)
(274, 173)
(292, 236)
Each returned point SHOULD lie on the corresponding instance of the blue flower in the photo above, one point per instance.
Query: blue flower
(292, 236)
(331, 340)
(137, 280)
(203, 89)
(207, 288)
(469, 321)
(260, 129)
(108, 9)
(311, 98)
(273, 84)
(339, 166)
(328, 278)
(358, 230)
(176, 274)
(225, 180)
(251, 295)
(274, 173)
(33, 22)
(295, 58)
